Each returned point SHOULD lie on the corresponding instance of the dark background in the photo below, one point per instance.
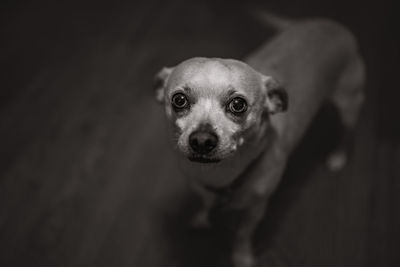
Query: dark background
(86, 175)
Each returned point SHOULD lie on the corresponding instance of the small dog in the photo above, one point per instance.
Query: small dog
(235, 123)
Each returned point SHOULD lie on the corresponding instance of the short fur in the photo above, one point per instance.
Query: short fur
(284, 82)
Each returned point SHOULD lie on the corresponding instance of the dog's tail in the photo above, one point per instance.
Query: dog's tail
(275, 22)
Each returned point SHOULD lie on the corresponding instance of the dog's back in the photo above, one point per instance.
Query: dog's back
(314, 60)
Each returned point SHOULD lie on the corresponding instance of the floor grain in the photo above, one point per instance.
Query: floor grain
(87, 178)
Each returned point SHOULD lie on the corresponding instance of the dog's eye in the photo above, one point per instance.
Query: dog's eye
(237, 105)
(179, 101)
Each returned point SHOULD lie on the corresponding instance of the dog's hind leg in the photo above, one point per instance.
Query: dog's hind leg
(348, 98)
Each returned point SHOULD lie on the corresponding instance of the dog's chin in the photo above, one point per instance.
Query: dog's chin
(203, 159)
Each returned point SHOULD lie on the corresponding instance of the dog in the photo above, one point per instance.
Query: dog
(235, 123)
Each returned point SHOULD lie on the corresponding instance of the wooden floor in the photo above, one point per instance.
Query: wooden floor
(86, 175)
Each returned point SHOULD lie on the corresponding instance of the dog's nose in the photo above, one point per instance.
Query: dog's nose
(203, 142)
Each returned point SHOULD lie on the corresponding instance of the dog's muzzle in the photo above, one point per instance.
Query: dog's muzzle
(203, 142)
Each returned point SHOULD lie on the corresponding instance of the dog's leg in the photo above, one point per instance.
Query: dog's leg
(348, 98)
(201, 218)
(253, 200)
(242, 250)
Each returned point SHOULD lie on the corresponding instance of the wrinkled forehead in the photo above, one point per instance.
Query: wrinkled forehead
(215, 77)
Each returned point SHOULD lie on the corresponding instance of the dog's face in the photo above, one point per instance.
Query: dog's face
(216, 106)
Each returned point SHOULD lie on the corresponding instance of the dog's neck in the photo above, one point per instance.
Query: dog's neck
(226, 192)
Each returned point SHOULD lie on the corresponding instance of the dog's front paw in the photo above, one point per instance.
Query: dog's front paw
(243, 257)
(201, 220)
(337, 161)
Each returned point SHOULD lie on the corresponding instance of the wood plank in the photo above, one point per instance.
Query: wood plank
(87, 175)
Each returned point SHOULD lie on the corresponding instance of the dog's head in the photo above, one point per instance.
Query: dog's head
(216, 106)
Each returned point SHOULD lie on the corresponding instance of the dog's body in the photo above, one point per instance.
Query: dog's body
(314, 61)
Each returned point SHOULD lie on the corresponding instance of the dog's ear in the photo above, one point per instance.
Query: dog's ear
(160, 80)
(276, 99)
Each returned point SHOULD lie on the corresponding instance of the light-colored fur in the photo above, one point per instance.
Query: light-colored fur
(310, 61)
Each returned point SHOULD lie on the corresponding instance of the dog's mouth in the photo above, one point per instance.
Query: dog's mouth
(203, 159)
